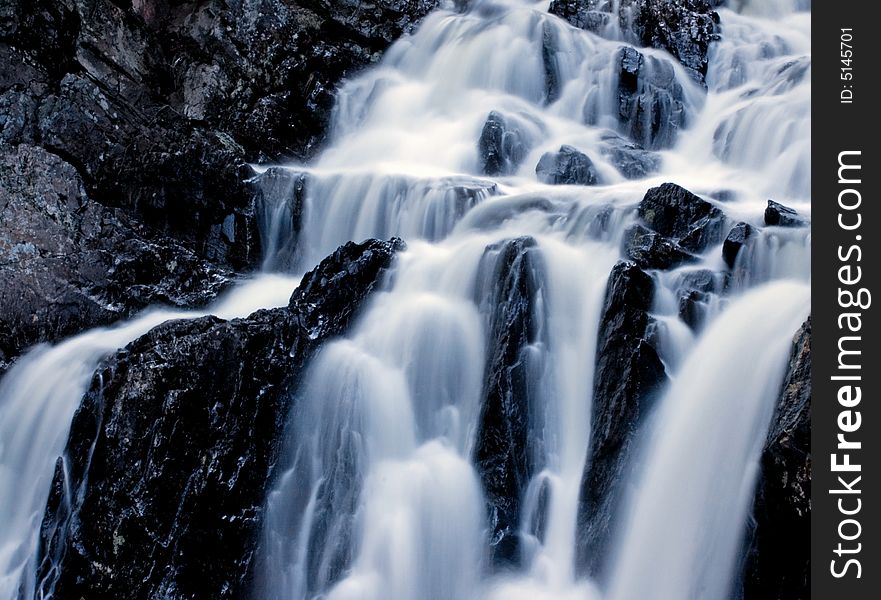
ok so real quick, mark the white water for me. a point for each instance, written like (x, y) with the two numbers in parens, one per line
(402, 502)
(377, 497)
(38, 398)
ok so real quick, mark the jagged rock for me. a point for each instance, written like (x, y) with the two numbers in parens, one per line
(628, 374)
(778, 559)
(676, 213)
(504, 454)
(651, 106)
(549, 60)
(502, 145)
(280, 190)
(694, 290)
(566, 167)
(168, 458)
(777, 214)
(162, 104)
(67, 263)
(651, 250)
(684, 28)
(736, 239)
(631, 160)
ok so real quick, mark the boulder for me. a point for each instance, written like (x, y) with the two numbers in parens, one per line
(779, 553)
(68, 263)
(505, 450)
(650, 250)
(502, 145)
(783, 216)
(679, 215)
(684, 28)
(632, 160)
(695, 289)
(651, 103)
(569, 166)
(737, 238)
(168, 460)
(628, 374)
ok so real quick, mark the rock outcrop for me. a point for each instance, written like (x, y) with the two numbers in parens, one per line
(68, 263)
(568, 166)
(651, 107)
(502, 145)
(778, 559)
(161, 104)
(783, 216)
(628, 374)
(157, 107)
(505, 452)
(739, 236)
(684, 28)
(160, 492)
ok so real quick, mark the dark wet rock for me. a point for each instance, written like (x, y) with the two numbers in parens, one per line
(569, 166)
(651, 106)
(549, 60)
(695, 289)
(777, 214)
(737, 238)
(650, 250)
(168, 457)
(162, 104)
(279, 202)
(684, 28)
(68, 263)
(778, 558)
(502, 145)
(631, 160)
(679, 215)
(505, 451)
(628, 375)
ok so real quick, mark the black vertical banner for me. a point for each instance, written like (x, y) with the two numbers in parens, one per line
(846, 436)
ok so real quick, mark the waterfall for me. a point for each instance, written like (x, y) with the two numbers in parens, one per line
(437, 451)
(382, 442)
(38, 398)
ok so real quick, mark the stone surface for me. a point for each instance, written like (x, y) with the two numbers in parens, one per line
(737, 238)
(651, 108)
(627, 376)
(650, 250)
(568, 166)
(67, 263)
(631, 160)
(502, 145)
(783, 216)
(679, 215)
(778, 558)
(168, 457)
(161, 104)
(504, 454)
(684, 28)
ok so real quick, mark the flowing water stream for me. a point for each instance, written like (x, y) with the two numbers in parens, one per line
(377, 496)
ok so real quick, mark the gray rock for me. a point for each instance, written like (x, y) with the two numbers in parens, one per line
(778, 561)
(569, 166)
(68, 263)
(164, 483)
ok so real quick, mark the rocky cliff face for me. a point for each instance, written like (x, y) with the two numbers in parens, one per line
(157, 107)
(160, 491)
(778, 559)
(68, 263)
(504, 454)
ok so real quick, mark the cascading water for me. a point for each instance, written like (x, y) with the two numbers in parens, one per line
(38, 398)
(379, 493)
